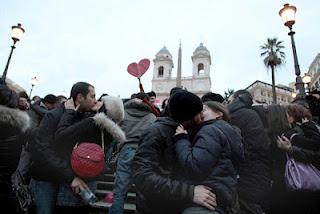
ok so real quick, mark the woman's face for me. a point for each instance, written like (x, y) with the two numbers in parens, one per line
(290, 119)
(208, 114)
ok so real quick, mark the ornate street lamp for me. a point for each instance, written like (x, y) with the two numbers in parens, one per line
(288, 15)
(16, 34)
(34, 82)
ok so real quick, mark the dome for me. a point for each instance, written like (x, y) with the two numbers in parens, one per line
(201, 48)
(164, 51)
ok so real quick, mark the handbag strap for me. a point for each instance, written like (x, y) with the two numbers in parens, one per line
(102, 140)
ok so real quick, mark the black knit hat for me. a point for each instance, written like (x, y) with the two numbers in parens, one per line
(152, 94)
(212, 97)
(184, 105)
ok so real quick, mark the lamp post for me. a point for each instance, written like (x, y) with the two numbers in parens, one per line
(34, 82)
(306, 79)
(16, 34)
(288, 13)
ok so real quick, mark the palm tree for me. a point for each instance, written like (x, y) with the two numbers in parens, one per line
(274, 57)
(228, 93)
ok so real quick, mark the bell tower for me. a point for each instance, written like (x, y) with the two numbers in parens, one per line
(163, 65)
(201, 60)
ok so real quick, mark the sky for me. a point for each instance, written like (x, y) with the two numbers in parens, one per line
(67, 41)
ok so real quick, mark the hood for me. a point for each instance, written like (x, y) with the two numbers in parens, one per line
(104, 122)
(15, 118)
(167, 121)
(137, 108)
(114, 106)
(243, 101)
(40, 108)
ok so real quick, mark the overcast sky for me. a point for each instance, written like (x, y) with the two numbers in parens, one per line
(94, 40)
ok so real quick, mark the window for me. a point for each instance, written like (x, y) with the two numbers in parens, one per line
(160, 71)
(200, 68)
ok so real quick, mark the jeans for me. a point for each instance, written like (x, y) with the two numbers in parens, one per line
(44, 194)
(108, 154)
(47, 195)
(67, 198)
(122, 179)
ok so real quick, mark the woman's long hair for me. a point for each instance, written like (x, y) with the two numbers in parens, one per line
(277, 120)
(298, 112)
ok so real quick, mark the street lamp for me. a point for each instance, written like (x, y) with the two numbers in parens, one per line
(34, 82)
(16, 34)
(306, 79)
(288, 15)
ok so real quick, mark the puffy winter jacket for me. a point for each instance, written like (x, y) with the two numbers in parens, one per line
(157, 175)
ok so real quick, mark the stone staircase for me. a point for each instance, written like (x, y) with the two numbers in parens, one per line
(105, 186)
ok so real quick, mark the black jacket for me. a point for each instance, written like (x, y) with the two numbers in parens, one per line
(255, 173)
(47, 163)
(75, 127)
(157, 174)
(36, 113)
(306, 144)
(207, 159)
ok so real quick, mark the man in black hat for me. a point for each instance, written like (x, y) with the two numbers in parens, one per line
(152, 99)
(158, 178)
(41, 107)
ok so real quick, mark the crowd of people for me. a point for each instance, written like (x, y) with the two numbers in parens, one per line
(191, 155)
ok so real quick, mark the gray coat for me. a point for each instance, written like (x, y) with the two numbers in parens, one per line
(137, 118)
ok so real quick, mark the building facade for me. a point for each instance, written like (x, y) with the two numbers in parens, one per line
(314, 72)
(163, 80)
(262, 93)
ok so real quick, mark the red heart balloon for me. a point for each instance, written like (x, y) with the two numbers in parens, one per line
(133, 69)
(138, 70)
(144, 65)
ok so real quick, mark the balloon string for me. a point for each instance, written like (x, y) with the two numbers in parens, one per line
(140, 85)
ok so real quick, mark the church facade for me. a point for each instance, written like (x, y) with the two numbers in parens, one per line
(163, 81)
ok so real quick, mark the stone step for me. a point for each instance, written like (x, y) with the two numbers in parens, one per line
(108, 185)
(101, 207)
(108, 177)
(131, 196)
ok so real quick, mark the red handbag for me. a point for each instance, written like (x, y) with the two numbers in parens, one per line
(87, 159)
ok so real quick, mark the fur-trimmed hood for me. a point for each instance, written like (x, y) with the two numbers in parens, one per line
(114, 106)
(15, 118)
(104, 122)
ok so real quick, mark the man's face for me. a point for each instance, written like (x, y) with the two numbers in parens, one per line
(51, 106)
(196, 120)
(23, 103)
(87, 102)
(152, 99)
